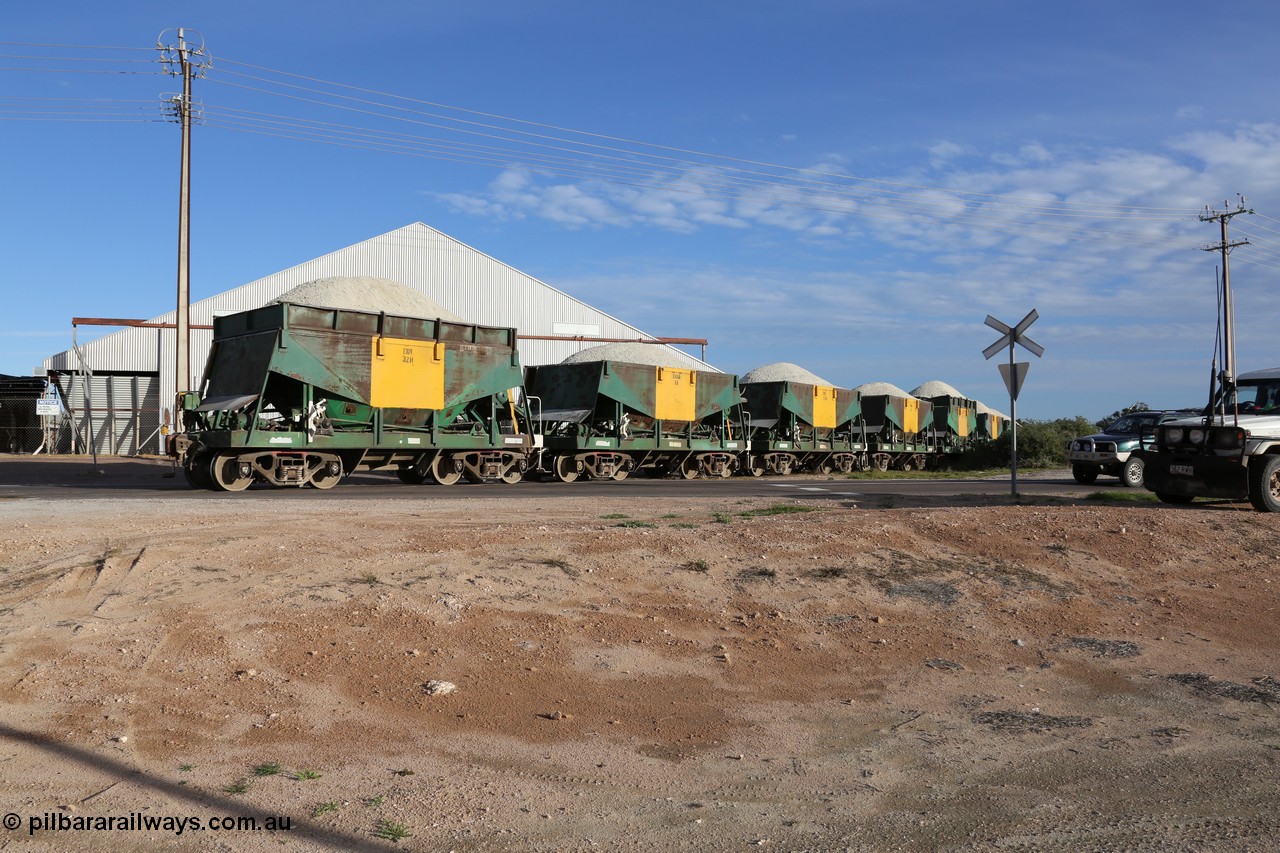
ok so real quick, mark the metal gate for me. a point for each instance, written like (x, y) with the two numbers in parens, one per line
(120, 416)
(21, 427)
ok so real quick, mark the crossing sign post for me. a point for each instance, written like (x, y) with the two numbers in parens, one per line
(1014, 374)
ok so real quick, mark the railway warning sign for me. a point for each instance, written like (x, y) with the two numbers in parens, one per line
(1014, 373)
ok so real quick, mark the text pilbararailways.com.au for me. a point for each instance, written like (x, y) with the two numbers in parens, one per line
(141, 822)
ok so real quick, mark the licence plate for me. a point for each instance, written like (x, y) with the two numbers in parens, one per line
(1182, 470)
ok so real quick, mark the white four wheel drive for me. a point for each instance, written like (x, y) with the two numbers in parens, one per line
(1232, 452)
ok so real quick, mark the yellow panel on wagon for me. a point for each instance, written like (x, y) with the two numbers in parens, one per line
(911, 416)
(824, 406)
(406, 374)
(676, 399)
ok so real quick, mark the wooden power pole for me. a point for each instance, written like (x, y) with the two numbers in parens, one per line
(186, 61)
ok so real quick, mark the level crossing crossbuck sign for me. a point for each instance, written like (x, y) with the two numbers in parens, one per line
(1014, 373)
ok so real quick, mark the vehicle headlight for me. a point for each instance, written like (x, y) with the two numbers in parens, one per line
(1227, 439)
(1172, 435)
(1196, 436)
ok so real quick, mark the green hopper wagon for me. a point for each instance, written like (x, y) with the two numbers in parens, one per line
(606, 419)
(796, 425)
(897, 430)
(954, 424)
(991, 425)
(295, 395)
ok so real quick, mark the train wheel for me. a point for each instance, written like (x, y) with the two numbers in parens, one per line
(196, 471)
(229, 474)
(824, 467)
(566, 469)
(327, 475)
(880, 461)
(725, 472)
(908, 466)
(689, 468)
(756, 469)
(620, 473)
(443, 471)
(513, 475)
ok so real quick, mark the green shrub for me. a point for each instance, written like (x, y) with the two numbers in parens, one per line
(1041, 444)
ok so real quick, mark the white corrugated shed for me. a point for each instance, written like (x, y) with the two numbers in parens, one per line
(468, 282)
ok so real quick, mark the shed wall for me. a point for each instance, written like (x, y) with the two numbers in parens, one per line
(468, 282)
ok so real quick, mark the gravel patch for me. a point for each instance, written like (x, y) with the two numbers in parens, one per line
(1266, 689)
(783, 371)
(658, 355)
(1106, 648)
(937, 388)
(880, 389)
(1029, 722)
(367, 293)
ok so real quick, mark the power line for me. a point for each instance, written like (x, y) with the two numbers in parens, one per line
(17, 108)
(644, 170)
(545, 142)
(57, 100)
(69, 58)
(591, 163)
(75, 46)
(612, 164)
(490, 140)
(541, 125)
(621, 165)
(74, 70)
(702, 188)
(1245, 259)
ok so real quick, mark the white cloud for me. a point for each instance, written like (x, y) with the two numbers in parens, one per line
(886, 282)
(1022, 200)
(941, 153)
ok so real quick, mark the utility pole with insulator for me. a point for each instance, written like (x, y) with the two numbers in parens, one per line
(1227, 379)
(184, 60)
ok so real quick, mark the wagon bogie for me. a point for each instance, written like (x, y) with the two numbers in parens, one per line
(708, 465)
(490, 466)
(779, 464)
(569, 467)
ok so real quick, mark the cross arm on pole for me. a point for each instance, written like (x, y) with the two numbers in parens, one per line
(1025, 322)
(1005, 341)
(1011, 335)
(1032, 347)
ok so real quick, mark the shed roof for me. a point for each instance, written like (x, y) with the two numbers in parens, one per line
(461, 279)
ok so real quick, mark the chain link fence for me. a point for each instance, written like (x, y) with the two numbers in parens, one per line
(22, 428)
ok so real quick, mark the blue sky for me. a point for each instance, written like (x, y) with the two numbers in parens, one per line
(851, 186)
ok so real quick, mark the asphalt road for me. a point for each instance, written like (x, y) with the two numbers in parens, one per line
(150, 479)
